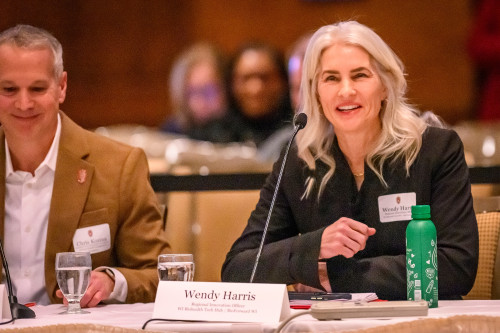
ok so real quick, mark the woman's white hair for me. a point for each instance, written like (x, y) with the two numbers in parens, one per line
(402, 127)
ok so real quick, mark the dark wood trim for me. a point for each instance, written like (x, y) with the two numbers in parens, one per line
(485, 175)
(214, 182)
(254, 181)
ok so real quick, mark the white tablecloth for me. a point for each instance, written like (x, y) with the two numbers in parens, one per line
(445, 309)
(131, 317)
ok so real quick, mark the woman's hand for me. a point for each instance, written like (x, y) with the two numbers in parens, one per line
(344, 237)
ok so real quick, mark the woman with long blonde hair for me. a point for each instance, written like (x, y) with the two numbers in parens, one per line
(364, 158)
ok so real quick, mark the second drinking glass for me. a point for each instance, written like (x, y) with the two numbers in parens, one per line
(175, 267)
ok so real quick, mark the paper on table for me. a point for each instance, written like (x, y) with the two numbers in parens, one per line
(364, 297)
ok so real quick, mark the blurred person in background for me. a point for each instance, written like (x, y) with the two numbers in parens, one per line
(270, 149)
(198, 93)
(259, 100)
(484, 49)
(295, 60)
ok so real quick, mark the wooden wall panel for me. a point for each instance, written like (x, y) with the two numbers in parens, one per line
(118, 52)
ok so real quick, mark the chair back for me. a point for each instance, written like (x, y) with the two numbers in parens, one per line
(487, 284)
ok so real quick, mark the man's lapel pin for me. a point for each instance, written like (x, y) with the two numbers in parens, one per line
(82, 176)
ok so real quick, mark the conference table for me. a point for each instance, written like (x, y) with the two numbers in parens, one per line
(468, 315)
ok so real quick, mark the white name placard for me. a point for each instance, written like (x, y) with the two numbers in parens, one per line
(221, 301)
(4, 303)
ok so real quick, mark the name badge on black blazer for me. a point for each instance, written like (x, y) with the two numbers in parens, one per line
(396, 207)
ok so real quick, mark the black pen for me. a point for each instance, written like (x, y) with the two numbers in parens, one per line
(318, 296)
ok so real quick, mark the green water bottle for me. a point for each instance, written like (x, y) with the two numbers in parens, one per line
(421, 257)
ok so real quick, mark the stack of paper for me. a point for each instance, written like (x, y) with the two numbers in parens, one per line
(363, 297)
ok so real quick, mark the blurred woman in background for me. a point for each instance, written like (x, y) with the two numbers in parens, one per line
(259, 99)
(198, 93)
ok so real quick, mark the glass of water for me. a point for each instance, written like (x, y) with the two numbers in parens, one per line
(73, 277)
(175, 267)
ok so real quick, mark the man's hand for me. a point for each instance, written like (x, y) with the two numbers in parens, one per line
(345, 237)
(100, 287)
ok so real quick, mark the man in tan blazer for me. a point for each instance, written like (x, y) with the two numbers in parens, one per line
(68, 189)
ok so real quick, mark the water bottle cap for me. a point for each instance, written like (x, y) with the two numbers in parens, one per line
(421, 212)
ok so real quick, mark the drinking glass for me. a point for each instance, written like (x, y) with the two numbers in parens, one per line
(73, 277)
(175, 267)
